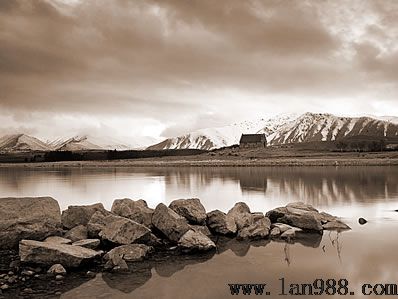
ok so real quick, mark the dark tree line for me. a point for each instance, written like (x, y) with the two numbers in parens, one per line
(361, 146)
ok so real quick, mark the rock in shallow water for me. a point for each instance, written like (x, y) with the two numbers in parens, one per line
(258, 229)
(172, 225)
(47, 253)
(220, 223)
(136, 210)
(195, 241)
(28, 218)
(130, 253)
(241, 215)
(191, 209)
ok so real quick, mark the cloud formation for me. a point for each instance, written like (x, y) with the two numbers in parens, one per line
(172, 64)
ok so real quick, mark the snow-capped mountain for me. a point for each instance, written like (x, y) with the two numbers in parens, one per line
(327, 127)
(212, 138)
(86, 142)
(285, 129)
(21, 142)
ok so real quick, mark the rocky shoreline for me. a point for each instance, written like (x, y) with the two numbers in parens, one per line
(39, 243)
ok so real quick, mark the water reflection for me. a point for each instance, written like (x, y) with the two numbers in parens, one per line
(219, 188)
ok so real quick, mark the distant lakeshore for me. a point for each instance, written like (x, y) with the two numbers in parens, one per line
(225, 160)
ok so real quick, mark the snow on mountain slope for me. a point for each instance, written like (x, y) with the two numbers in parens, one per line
(327, 127)
(86, 142)
(284, 129)
(212, 138)
(21, 142)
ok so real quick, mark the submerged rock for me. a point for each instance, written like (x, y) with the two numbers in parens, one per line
(28, 218)
(335, 225)
(220, 223)
(195, 241)
(79, 215)
(136, 210)
(172, 225)
(48, 253)
(191, 209)
(87, 243)
(77, 233)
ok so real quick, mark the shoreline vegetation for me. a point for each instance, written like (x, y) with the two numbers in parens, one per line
(331, 160)
(42, 245)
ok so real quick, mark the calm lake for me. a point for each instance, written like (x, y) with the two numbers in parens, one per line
(366, 254)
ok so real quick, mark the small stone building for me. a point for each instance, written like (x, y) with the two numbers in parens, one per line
(252, 140)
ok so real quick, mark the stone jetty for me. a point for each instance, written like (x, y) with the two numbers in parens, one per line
(60, 242)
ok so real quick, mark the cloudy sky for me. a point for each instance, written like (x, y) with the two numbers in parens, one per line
(131, 68)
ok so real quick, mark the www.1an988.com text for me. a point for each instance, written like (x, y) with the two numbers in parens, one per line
(319, 287)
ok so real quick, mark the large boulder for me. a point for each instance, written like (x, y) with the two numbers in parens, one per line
(258, 229)
(241, 214)
(299, 215)
(220, 223)
(195, 241)
(191, 209)
(49, 253)
(124, 231)
(116, 229)
(136, 210)
(77, 233)
(28, 218)
(172, 225)
(79, 215)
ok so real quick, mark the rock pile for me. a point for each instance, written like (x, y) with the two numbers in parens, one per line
(132, 230)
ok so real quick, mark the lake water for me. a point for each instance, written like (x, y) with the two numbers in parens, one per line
(366, 254)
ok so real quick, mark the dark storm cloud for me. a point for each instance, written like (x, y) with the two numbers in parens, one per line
(162, 59)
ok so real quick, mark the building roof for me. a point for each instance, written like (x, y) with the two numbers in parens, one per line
(252, 138)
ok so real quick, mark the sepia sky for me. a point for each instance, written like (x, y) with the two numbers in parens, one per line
(160, 68)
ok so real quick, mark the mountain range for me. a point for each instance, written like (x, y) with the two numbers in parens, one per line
(284, 129)
(281, 129)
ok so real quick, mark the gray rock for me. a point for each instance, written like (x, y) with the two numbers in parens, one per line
(88, 243)
(77, 233)
(79, 215)
(192, 209)
(57, 269)
(28, 218)
(201, 228)
(241, 215)
(172, 225)
(129, 253)
(305, 221)
(335, 225)
(281, 226)
(136, 210)
(195, 241)
(275, 232)
(259, 229)
(57, 240)
(290, 233)
(124, 231)
(220, 223)
(98, 222)
(48, 253)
